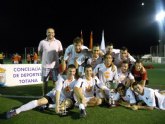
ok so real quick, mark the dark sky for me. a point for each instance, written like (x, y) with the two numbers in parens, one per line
(125, 22)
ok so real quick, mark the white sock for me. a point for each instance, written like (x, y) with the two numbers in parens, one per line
(52, 106)
(81, 106)
(27, 106)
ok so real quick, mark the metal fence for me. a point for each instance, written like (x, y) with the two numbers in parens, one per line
(158, 50)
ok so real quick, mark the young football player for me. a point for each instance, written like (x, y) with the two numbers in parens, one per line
(62, 92)
(88, 90)
(150, 98)
(140, 73)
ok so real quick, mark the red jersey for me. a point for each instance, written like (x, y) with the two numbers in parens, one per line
(139, 75)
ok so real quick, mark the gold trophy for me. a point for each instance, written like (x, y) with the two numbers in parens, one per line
(65, 104)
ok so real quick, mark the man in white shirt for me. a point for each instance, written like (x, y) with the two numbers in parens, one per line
(124, 55)
(124, 96)
(152, 98)
(125, 76)
(61, 96)
(73, 51)
(107, 71)
(88, 91)
(49, 49)
(110, 49)
(93, 60)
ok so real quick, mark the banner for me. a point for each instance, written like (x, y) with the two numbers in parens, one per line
(20, 74)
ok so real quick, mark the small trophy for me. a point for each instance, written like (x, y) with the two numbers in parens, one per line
(111, 100)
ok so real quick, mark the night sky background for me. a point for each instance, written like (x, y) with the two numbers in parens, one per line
(23, 23)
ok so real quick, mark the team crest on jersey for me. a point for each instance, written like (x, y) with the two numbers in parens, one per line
(88, 89)
(107, 74)
(122, 77)
(67, 89)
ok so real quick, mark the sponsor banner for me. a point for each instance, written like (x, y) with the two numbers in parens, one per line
(20, 74)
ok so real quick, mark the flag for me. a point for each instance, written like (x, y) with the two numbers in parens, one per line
(102, 46)
(91, 40)
(81, 36)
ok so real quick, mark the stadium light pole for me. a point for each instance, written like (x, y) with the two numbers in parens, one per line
(160, 18)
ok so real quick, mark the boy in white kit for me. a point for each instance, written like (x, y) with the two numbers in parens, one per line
(150, 97)
(124, 55)
(125, 76)
(88, 91)
(61, 95)
(124, 96)
(107, 71)
(73, 51)
(93, 60)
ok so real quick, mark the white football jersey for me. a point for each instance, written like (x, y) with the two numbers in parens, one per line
(118, 59)
(161, 100)
(70, 54)
(129, 97)
(64, 86)
(88, 87)
(148, 97)
(106, 74)
(124, 76)
(83, 58)
(152, 97)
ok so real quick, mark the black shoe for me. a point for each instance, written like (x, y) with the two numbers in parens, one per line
(42, 108)
(10, 114)
(83, 113)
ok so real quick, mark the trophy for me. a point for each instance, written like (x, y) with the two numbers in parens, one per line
(65, 104)
(111, 100)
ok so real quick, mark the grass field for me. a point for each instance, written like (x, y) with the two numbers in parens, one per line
(95, 115)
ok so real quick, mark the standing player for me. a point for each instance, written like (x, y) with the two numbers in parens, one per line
(2, 56)
(62, 92)
(28, 58)
(50, 49)
(35, 57)
(16, 58)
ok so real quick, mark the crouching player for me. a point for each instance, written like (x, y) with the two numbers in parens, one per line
(62, 95)
(88, 91)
